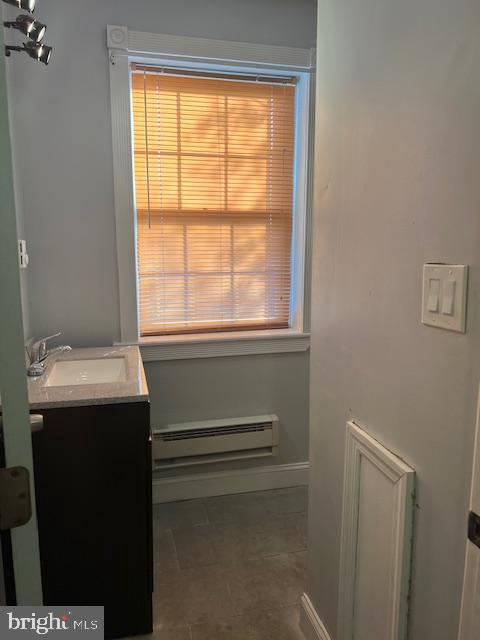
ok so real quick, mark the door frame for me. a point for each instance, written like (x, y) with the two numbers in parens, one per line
(469, 626)
(13, 380)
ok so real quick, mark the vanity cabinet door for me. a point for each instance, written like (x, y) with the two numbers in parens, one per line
(93, 475)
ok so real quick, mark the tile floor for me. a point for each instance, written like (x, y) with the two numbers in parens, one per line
(230, 567)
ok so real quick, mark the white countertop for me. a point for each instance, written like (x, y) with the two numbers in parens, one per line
(133, 389)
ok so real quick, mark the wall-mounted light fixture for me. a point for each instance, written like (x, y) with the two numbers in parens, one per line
(26, 5)
(35, 50)
(32, 28)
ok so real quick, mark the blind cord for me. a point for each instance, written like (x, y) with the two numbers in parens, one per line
(146, 149)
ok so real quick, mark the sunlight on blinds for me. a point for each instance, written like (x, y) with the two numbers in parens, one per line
(213, 163)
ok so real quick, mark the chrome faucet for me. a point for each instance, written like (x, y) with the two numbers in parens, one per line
(38, 353)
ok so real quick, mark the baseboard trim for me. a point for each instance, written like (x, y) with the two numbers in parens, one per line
(310, 623)
(218, 483)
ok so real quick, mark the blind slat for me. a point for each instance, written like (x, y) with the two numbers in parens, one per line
(213, 167)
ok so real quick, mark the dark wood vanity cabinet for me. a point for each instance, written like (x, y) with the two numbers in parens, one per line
(94, 503)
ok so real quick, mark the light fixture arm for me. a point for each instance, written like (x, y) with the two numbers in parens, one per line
(10, 48)
(12, 25)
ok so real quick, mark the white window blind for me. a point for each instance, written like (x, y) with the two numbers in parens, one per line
(213, 160)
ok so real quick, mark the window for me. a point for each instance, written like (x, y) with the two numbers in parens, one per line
(213, 173)
(212, 203)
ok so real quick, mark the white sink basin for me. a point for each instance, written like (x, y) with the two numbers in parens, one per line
(98, 371)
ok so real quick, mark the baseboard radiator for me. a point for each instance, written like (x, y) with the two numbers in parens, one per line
(192, 443)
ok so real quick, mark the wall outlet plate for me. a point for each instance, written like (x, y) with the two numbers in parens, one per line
(444, 300)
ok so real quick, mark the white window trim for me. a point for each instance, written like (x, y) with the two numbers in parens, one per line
(125, 46)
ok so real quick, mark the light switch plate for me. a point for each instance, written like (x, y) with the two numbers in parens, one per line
(22, 254)
(444, 301)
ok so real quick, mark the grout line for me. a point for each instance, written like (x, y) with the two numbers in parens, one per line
(175, 550)
(206, 511)
(227, 580)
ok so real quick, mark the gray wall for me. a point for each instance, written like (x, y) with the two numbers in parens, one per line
(21, 231)
(237, 386)
(5, 14)
(398, 151)
(62, 137)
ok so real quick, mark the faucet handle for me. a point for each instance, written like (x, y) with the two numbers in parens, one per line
(39, 348)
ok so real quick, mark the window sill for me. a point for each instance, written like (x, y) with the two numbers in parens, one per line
(217, 345)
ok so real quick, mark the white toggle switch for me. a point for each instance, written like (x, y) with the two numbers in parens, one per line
(433, 295)
(448, 302)
(445, 296)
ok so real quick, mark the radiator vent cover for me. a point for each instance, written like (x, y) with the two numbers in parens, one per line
(209, 441)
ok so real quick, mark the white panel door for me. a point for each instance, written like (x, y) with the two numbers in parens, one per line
(470, 615)
(13, 383)
(376, 541)
(373, 584)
